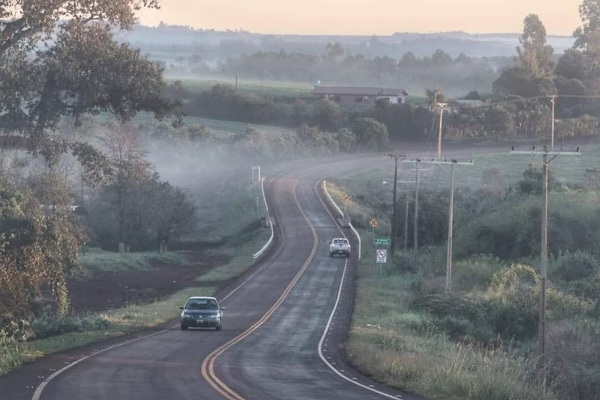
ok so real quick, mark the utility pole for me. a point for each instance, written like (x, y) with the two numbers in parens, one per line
(552, 125)
(393, 224)
(439, 150)
(544, 253)
(416, 216)
(453, 163)
(416, 213)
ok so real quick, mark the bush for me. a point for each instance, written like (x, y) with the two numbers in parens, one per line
(48, 325)
(475, 272)
(574, 266)
(10, 336)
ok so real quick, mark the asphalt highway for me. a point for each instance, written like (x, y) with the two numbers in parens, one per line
(283, 330)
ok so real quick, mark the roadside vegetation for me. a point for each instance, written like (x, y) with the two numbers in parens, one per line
(480, 341)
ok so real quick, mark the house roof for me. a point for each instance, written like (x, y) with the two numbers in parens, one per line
(357, 91)
(393, 92)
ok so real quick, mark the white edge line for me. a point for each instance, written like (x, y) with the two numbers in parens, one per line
(38, 391)
(337, 301)
(320, 348)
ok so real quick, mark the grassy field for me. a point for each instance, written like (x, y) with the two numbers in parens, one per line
(566, 169)
(260, 88)
(97, 260)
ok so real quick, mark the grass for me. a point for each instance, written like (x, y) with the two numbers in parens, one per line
(98, 260)
(402, 348)
(120, 322)
(260, 88)
(569, 169)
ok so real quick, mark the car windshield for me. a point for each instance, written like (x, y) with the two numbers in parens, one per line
(201, 304)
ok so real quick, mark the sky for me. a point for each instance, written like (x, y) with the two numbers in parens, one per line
(366, 17)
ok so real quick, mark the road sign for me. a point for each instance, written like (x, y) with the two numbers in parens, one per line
(381, 256)
(373, 222)
(382, 241)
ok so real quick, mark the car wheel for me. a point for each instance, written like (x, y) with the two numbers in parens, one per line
(218, 328)
(184, 327)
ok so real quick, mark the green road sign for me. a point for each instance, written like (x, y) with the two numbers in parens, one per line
(382, 241)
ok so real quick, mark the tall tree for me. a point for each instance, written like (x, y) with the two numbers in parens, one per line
(587, 40)
(531, 73)
(534, 54)
(131, 171)
(50, 68)
(588, 33)
(171, 211)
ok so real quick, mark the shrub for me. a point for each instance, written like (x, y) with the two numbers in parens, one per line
(10, 336)
(48, 325)
(574, 266)
(475, 272)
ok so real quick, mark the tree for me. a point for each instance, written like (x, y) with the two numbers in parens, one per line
(50, 68)
(535, 55)
(587, 35)
(131, 170)
(588, 41)
(330, 115)
(370, 134)
(335, 50)
(171, 212)
(497, 120)
(37, 247)
(533, 181)
(531, 73)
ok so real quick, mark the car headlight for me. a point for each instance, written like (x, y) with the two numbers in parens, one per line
(214, 316)
(185, 315)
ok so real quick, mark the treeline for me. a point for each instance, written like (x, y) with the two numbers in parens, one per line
(338, 66)
(496, 117)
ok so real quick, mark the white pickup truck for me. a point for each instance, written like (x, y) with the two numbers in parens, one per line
(339, 246)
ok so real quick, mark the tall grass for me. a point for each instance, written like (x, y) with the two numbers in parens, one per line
(404, 348)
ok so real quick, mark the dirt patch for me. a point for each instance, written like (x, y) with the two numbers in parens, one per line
(108, 290)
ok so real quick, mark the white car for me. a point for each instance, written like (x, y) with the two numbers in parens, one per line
(339, 246)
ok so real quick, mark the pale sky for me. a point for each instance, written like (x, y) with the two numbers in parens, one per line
(367, 17)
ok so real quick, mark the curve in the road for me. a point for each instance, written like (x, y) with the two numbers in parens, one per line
(208, 371)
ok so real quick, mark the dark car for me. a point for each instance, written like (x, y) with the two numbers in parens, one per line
(201, 312)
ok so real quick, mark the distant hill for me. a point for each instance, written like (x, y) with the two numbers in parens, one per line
(167, 40)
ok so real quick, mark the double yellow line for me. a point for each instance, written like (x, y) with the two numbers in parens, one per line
(208, 365)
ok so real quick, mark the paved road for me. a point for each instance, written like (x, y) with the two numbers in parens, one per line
(281, 337)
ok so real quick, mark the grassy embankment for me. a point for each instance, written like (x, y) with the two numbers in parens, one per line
(395, 343)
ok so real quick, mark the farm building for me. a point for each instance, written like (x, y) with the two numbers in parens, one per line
(358, 95)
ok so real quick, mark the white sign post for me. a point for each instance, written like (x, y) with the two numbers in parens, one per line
(381, 256)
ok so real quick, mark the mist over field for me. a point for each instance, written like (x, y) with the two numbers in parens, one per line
(460, 62)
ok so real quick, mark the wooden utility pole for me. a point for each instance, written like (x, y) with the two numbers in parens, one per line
(394, 214)
(544, 254)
